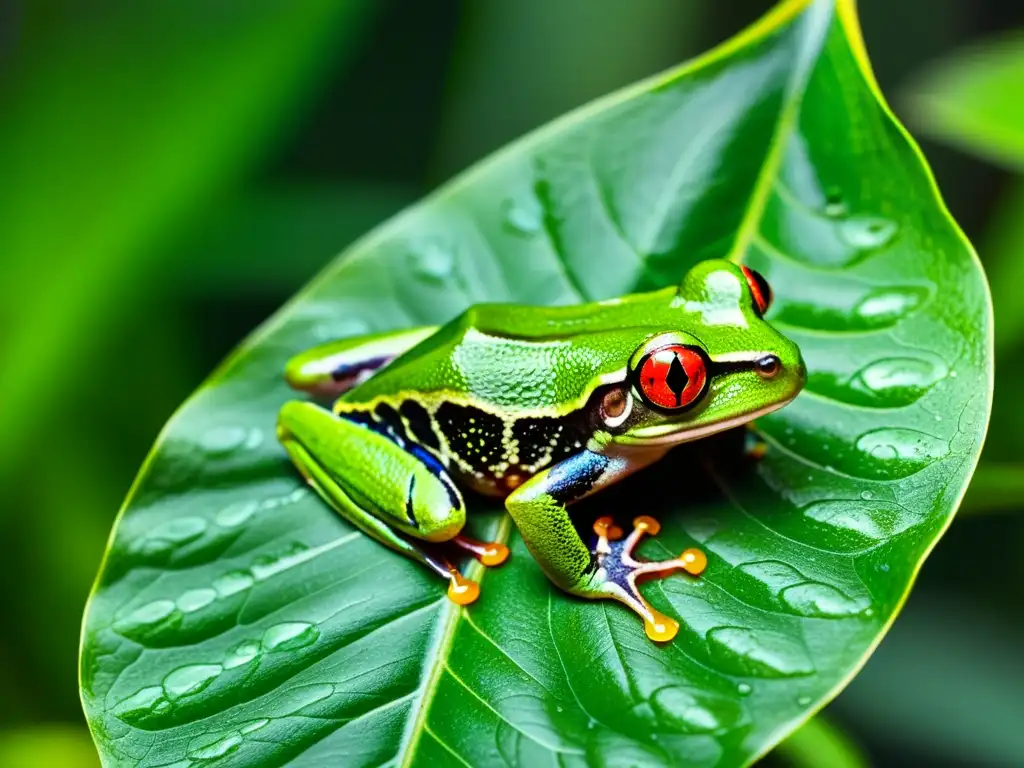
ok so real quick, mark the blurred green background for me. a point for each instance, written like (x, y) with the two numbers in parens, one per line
(172, 171)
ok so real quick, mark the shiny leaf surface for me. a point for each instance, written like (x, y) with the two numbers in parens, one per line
(238, 622)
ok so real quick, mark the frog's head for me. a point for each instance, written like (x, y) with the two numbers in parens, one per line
(720, 365)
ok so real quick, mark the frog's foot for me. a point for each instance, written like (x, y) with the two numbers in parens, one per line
(489, 553)
(619, 571)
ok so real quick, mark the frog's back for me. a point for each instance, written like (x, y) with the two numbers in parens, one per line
(515, 357)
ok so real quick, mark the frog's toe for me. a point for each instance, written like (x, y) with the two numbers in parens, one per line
(462, 591)
(489, 553)
(622, 572)
(606, 529)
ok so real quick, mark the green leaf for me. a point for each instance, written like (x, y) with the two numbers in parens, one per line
(970, 100)
(236, 617)
(819, 744)
(270, 239)
(995, 488)
(118, 126)
(38, 746)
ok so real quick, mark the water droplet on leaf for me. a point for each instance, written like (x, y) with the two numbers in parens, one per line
(761, 653)
(232, 583)
(290, 636)
(867, 232)
(433, 263)
(893, 452)
(190, 680)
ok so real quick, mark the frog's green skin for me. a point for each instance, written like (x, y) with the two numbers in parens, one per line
(541, 405)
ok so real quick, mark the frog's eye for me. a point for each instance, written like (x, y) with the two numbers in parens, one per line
(760, 289)
(672, 377)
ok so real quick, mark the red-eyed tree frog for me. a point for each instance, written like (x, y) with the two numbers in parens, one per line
(541, 406)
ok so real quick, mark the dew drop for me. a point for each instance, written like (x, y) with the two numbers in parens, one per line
(216, 749)
(235, 514)
(149, 619)
(835, 206)
(819, 601)
(220, 440)
(762, 653)
(242, 654)
(433, 263)
(559, 708)
(867, 495)
(232, 583)
(803, 701)
(896, 381)
(869, 519)
(151, 613)
(266, 566)
(867, 232)
(744, 689)
(521, 219)
(884, 306)
(255, 725)
(179, 531)
(688, 710)
(136, 707)
(196, 599)
(190, 680)
(893, 452)
(295, 700)
(290, 636)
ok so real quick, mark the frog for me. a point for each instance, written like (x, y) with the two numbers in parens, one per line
(542, 407)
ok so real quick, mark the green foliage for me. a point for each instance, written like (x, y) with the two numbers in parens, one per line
(176, 99)
(43, 746)
(969, 100)
(818, 744)
(236, 619)
(966, 99)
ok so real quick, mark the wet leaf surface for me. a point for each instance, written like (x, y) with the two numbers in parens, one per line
(238, 622)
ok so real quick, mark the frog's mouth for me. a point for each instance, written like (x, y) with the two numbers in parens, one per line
(674, 434)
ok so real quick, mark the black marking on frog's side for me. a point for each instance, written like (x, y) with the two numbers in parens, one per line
(549, 437)
(391, 423)
(474, 435)
(419, 422)
(409, 511)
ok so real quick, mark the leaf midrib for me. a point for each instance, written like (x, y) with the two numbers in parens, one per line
(438, 657)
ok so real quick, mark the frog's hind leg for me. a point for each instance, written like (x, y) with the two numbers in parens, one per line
(399, 495)
(330, 369)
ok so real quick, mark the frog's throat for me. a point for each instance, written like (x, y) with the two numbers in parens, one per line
(668, 435)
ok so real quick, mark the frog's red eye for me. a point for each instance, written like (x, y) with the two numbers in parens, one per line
(672, 377)
(759, 288)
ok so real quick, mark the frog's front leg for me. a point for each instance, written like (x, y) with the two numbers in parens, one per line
(610, 570)
(329, 369)
(391, 489)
